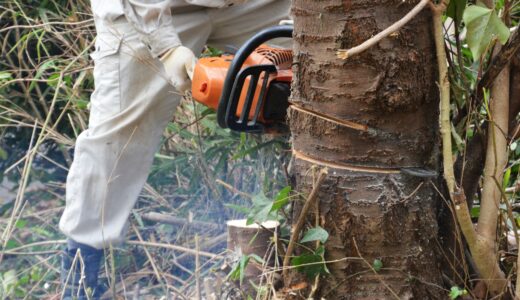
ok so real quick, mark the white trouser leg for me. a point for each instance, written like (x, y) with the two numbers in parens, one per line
(130, 107)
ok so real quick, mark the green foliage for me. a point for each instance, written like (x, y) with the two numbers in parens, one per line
(455, 10)
(265, 209)
(195, 151)
(315, 234)
(211, 52)
(456, 292)
(483, 26)
(311, 264)
(238, 271)
(377, 265)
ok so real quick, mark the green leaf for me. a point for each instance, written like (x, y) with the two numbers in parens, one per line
(24, 280)
(309, 264)
(239, 271)
(377, 265)
(20, 224)
(281, 199)
(11, 244)
(257, 258)
(81, 104)
(456, 10)
(507, 176)
(483, 25)
(261, 209)
(475, 211)
(315, 234)
(8, 281)
(3, 154)
(4, 76)
(35, 274)
(456, 292)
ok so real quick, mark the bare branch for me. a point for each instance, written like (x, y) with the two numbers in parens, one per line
(347, 53)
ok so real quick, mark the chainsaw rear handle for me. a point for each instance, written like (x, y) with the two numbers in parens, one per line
(242, 54)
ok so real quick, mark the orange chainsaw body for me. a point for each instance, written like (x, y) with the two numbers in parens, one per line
(210, 73)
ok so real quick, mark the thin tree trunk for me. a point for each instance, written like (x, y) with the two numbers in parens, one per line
(365, 118)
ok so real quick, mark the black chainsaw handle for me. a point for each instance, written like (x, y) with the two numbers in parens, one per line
(239, 59)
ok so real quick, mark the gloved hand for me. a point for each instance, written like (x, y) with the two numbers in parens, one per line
(179, 64)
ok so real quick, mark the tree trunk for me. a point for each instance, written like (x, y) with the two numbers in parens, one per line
(365, 118)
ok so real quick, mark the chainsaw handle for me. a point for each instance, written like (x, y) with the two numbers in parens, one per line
(239, 59)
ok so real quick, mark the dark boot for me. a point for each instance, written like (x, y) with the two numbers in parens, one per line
(79, 277)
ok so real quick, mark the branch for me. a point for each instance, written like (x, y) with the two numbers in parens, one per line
(347, 53)
(444, 86)
(163, 218)
(301, 220)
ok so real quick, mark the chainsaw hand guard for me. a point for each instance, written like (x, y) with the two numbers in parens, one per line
(238, 118)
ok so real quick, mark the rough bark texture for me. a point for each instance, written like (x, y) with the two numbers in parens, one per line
(365, 200)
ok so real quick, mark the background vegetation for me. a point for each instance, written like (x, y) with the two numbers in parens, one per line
(45, 84)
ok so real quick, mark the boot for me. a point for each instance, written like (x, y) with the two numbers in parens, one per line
(79, 277)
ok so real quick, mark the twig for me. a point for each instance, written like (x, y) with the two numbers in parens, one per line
(233, 189)
(151, 260)
(301, 220)
(163, 218)
(174, 247)
(207, 245)
(444, 87)
(89, 22)
(197, 268)
(374, 271)
(347, 53)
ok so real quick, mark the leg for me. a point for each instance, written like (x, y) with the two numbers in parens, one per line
(130, 107)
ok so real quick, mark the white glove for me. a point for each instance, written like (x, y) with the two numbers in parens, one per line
(179, 63)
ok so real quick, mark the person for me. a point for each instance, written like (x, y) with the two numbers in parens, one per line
(143, 59)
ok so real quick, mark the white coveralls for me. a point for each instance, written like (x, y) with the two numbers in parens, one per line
(133, 100)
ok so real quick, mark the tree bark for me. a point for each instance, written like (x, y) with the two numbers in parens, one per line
(365, 118)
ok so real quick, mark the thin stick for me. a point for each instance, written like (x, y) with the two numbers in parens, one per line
(163, 218)
(137, 243)
(347, 53)
(233, 189)
(160, 279)
(177, 248)
(444, 86)
(374, 271)
(301, 220)
(197, 268)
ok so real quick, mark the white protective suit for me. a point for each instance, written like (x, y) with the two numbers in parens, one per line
(133, 100)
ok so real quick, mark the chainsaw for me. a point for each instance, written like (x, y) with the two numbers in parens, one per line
(249, 90)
